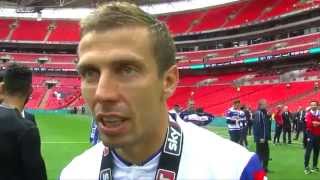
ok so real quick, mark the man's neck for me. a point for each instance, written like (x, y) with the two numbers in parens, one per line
(138, 153)
(14, 102)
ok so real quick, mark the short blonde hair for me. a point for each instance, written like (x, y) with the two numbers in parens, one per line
(117, 14)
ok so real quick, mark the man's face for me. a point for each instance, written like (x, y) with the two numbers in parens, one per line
(279, 108)
(263, 104)
(121, 85)
(313, 106)
(236, 105)
(191, 106)
(177, 108)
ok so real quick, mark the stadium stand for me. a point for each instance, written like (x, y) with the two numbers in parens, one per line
(207, 23)
(62, 96)
(180, 23)
(216, 99)
(5, 28)
(30, 30)
(216, 95)
(67, 31)
(295, 43)
(230, 15)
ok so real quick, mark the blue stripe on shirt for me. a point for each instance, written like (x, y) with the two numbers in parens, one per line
(253, 169)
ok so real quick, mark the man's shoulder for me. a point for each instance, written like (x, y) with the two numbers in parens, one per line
(218, 158)
(84, 165)
(11, 118)
(29, 114)
(203, 137)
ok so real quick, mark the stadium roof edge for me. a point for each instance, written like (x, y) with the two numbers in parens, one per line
(77, 13)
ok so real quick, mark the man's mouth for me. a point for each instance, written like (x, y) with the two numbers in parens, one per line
(112, 124)
(112, 121)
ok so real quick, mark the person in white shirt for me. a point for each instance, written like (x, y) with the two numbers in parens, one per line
(128, 70)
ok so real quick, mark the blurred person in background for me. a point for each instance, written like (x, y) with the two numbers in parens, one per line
(262, 133)
(279, 124)
(313, 137)
(301, 124)
(287, 120)
(20, 146)
(233, 121)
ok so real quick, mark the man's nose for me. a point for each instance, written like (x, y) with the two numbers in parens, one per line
(107, 88)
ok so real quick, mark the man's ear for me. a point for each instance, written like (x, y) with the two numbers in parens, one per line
(170, 81)
(1, 88)
(1, 91)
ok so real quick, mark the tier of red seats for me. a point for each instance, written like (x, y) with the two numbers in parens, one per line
(36, 96)
(192, 80)
(216, 17)
(69, 87)
(300, 42)
(67, 96)
(30, 30)
(227, 15)
(38, 80)
(250, 12)
(180, 23)
(287, 6)
(66, 61)
(218, 98)
(65, 31)
(5, 28)
(305, 101)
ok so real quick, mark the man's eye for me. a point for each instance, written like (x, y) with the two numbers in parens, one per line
(128, 70)
(91, 75)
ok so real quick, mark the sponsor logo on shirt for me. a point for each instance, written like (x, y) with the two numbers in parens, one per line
(105, 174)
(163, 174)
(173, 142)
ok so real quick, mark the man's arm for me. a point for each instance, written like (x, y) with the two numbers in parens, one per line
(33, 167)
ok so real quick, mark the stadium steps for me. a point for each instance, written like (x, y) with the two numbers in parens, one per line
(44, 100)
(226, 21)
(42, 96)
(263, 14)
(75, 102)
(196, 21)
(236, 14)
(51, 28)
(12, 29)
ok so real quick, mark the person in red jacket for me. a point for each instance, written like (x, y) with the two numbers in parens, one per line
(279, 124)
(313, 137)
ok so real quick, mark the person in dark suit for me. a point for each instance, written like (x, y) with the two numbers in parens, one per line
(287, 119)
(301, 124)
(20, 146)
(262, 133)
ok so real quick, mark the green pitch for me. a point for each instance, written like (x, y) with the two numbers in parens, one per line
(65, 136)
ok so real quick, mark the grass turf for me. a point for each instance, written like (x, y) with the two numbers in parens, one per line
(65, 136)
